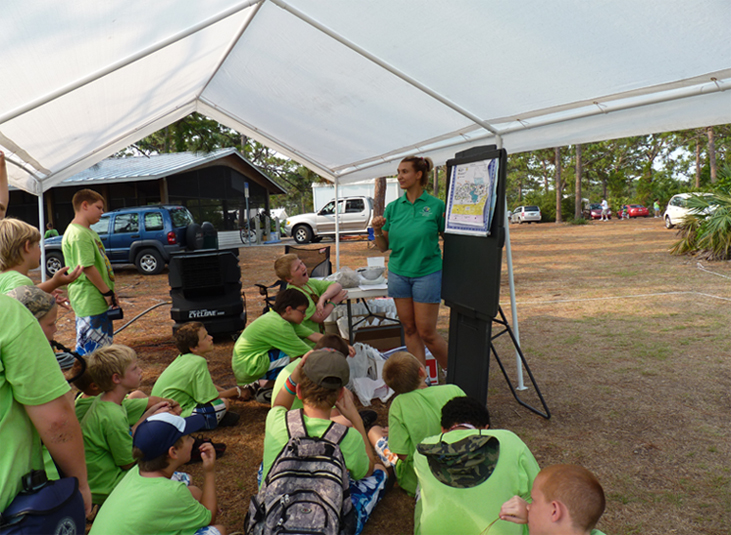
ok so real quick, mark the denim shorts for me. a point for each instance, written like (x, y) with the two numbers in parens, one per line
(426, 289)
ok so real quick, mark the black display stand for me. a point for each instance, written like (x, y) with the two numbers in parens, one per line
(471, 288)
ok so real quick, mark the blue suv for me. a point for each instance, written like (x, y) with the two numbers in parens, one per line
(143, 235)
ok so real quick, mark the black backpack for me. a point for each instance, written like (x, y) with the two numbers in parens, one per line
(307, 489)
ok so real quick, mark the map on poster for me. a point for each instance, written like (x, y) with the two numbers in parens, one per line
(471, 198)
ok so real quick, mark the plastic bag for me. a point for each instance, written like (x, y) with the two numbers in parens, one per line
(365, 375)
(346, 277)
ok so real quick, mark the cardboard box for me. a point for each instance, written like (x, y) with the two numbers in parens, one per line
(382, 338)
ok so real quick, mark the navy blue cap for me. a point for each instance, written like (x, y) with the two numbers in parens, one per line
(156, 435)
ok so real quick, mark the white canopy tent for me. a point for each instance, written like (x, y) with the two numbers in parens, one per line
(348, 88)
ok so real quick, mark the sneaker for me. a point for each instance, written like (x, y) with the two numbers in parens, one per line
(264, 395)
(229, 419)
(195, 453)
(369, 418)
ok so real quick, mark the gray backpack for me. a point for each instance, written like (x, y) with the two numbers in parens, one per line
(307, 489)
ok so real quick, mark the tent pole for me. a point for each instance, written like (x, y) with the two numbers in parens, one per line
(41, 227)
(337, 227)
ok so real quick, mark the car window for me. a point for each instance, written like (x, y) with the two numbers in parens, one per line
(532, 209)
(126, 223)
(101, 226)
(153, 221)
(181, 217)
(328, 209)
(354, 206)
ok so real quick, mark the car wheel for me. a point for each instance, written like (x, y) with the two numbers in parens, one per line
(54, 262)
(149, 262)
(302, 234)
(668, 223)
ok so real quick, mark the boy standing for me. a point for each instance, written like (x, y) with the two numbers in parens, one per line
(319, 380)
(467, 472)
(148, 500)
(92, 293)
(269, 343)
(414, 414)
(188, 381)
(105, 426)
(20, 251)
(566, 500)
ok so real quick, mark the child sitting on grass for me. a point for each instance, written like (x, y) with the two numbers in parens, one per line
(105, 426)
(566, 499)
(151, 499)
(270, 342)
(415, 414)
(188, 381)
(20, 251)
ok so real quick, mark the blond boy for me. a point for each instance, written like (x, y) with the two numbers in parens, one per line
(105, 426)
(20, 251)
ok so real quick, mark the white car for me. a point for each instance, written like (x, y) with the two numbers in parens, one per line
(526, 214)
(677, 209)
(355, 214)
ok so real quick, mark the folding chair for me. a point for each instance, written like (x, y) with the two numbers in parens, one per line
(318, 265)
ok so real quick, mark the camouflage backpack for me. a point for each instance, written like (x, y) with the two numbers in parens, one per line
(307, 489)
(462, 464)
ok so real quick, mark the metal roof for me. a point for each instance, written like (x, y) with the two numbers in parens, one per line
(114, 170)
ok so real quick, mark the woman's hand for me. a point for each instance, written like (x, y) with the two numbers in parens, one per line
(378, 222)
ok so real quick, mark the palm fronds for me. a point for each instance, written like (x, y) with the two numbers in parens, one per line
(706, 233)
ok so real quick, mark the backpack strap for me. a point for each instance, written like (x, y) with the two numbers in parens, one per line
(335, 433)
(296, 424)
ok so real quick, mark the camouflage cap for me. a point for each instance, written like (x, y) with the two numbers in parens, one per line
(328, 369)
(36, 300)
(463, 464)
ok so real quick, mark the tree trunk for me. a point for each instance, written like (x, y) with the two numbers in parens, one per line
(577, 188)
(379, 197)
(698, 162)
(545, 174)
(559, 185)
(712, 154)
(436, 182)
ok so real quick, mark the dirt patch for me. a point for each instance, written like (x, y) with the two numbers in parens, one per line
(628, 344)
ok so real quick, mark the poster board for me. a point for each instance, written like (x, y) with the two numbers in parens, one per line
(471, 197)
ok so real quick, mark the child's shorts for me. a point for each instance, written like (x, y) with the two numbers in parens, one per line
(278, 360)
(207, 530)
(388, 457)
(212, 412)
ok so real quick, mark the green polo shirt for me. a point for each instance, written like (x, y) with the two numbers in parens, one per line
(413, 235)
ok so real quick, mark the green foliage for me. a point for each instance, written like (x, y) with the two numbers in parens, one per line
(577, 221)
(707, 233)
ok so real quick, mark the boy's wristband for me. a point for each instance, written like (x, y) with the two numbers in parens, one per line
(332, 303)
(110, 293)
(291, 386)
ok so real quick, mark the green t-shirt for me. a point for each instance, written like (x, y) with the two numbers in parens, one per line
(108, 446)
(412, 417)
(413, 235)
(135, 408)
(156, 505)
(250, 359)
(279, 384)
(82, 247)
(50, 233)
(187, 381)
(441, 509)
(313, 287)
(29, 375)
(276, 437)
(11, 279)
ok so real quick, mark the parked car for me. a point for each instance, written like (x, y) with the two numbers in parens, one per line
(526, 214)
(143, 235)
(355, 218)
(594, 211)
(637, 210)
(677, 209)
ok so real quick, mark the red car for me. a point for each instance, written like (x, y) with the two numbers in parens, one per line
(637, 210)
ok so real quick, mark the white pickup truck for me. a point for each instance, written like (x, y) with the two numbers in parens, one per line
(355, 214)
